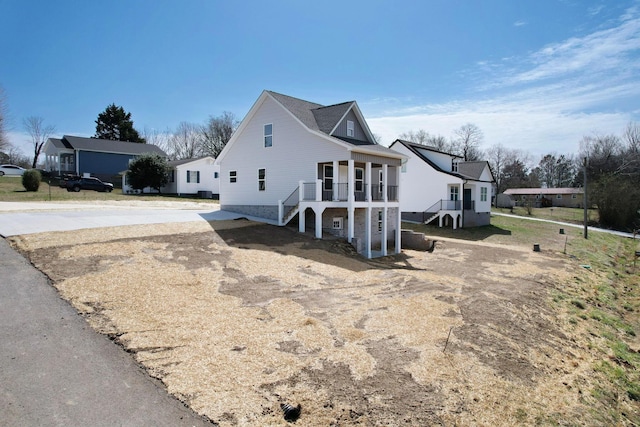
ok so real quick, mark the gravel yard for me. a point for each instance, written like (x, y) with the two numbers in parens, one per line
(237, 317)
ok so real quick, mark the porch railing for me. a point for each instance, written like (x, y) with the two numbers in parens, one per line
(340, 192)
(291, 202)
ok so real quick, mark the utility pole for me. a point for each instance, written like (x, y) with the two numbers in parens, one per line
(584, 198)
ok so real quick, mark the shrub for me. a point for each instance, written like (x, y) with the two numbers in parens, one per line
(31, 180)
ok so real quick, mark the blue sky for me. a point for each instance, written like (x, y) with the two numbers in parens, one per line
(533, 75)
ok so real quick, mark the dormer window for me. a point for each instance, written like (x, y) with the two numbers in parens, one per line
(454, 165)
(268, 135)
(350, 128)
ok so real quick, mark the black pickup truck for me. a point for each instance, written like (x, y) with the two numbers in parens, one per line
(77, 183)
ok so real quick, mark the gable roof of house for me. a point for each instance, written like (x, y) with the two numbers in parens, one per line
(105, 145)
(466, 170)
(316, 116)
(321, 120)
(174, 163)
(540, 191)
(473, 169)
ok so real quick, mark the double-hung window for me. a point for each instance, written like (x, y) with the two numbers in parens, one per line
(268, 135)
(262, 179)
(351, 129)
(328, 178)
(233, 176)
(359, 182)
(454, 193)
(483, 194)
(193, 176)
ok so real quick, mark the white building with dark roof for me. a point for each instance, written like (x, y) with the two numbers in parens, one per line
(441, 186)
(292, 160)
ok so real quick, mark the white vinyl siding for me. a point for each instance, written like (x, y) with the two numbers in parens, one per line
(293, 158)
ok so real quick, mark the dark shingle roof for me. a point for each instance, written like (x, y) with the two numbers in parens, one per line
(328, 117)
(303, 110)
(316, 116)
(108, 146)
(472, 170)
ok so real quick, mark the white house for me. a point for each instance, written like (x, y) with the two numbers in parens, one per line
(193, 176)
(188, 177)
(438, 185)
(294, 160)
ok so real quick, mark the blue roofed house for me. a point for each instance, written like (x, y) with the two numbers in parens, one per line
(294, 160)
(104, 159)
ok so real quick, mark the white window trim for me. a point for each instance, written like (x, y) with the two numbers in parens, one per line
(262, 180)
(325, 177)
(338, 223)
(233, 176)
(265, 135)
(351, 127)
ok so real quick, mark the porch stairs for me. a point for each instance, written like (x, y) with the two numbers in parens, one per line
(430, 216)
(432, 212)
(291, 206)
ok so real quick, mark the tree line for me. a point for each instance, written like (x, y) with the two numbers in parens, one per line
(188, 140)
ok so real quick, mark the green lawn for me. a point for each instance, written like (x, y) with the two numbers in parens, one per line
(573, 215)
(11, 190)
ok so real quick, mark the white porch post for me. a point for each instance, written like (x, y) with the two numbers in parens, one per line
(398, 184)
(318, 213)
(280, 212)
(318, 190)
(367, 172)
(385, 181)
(350, 199)
(302, 226)
(383, 243)
(367, 226)
(336, 179)
(398, 231)
(300, 191)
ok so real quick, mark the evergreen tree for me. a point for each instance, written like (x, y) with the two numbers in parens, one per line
(115, 124)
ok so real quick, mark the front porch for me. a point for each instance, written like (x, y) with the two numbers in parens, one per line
(365, 208)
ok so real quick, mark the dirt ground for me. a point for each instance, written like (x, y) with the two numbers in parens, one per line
(236, 317)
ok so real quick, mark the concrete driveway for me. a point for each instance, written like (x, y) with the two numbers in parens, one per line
(54, 369)
(36, 217)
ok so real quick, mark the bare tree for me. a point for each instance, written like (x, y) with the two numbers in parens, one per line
(39, 133)
(631, 136)
(498, 156)
(185, 142)
(419, 137)
(467, 142)
(4, 141)
(217, 132)
(157, 138)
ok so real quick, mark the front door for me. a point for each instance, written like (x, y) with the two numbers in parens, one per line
(466, 198)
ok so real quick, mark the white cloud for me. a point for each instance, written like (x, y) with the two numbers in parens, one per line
(519, 23)
(545, 102)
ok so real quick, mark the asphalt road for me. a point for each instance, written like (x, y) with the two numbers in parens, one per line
(54, 369)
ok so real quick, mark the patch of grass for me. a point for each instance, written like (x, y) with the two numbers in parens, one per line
(577, 303)
(571, 215)
(11, 190)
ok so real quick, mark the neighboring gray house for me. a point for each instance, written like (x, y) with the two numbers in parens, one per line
(294, 160)
(102, 158)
